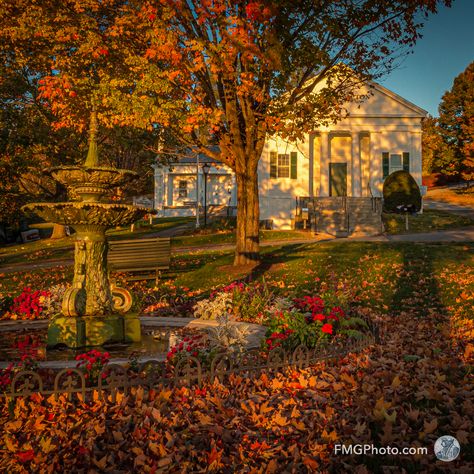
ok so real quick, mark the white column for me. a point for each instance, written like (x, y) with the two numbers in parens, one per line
(170, 189)
(164, 197)
(316, 165)
(365, 163)
(356, 169)
(200, 191)
(376, 172)
(324, 166)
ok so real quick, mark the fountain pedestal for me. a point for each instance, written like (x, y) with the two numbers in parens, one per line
(88, 306)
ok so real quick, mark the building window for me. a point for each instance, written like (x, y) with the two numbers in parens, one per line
(183, 189)
(283, 165)
(392, 162)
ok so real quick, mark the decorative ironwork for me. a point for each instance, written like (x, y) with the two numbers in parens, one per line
(66, 381)
(189, 371)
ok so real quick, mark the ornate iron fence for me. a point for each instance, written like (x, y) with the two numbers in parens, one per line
(189, 371)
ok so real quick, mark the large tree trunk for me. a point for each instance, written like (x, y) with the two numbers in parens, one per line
(59, 231)
(248, 217)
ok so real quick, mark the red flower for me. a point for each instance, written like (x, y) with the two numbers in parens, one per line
(319, 317)
(327, 328)
(336, 313)
(314, 304)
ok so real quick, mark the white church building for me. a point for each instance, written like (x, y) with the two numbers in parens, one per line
(333, 179)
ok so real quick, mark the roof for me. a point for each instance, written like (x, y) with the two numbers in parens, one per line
(189, 156)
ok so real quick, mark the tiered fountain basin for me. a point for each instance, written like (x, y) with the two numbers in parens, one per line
(85, 213)
(94, 310)
(90, 183)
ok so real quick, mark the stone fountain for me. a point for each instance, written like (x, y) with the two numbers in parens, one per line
(94, 311)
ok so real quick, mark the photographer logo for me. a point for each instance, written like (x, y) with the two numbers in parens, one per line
(447, 448)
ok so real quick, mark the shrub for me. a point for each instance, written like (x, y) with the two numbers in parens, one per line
(309, 321)
(247, 302)
(228, 337)
(400, 189)
(218, 305)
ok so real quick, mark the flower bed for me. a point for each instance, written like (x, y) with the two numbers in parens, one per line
(314, 321)
(304, 320)
(32, 304)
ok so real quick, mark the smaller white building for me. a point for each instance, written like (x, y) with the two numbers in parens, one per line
(191, 181)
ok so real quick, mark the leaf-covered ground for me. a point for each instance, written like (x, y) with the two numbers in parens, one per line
(407, 392)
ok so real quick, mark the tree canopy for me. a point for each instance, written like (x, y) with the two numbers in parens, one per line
(222, 72)
(437, 156)
(456, 121)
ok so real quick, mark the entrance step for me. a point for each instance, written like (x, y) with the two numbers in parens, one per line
(342, 217)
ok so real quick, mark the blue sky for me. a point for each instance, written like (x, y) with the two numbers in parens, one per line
(445, 50)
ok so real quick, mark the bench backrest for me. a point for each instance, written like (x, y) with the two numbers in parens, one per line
(139, 254)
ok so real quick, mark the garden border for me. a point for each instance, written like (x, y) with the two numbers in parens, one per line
(114, 378)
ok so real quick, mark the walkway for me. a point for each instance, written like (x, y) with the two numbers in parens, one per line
(466, 211)
(457, 235)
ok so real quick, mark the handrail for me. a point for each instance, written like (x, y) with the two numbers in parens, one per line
(369, 189)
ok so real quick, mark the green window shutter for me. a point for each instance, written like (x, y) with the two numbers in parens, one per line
(406, 161)
(273, 164)
(385, 164)
(294, 165)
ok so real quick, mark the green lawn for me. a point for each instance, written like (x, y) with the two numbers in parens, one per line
(159, 224)
(228, 237)
(429, 221)
(383, 277)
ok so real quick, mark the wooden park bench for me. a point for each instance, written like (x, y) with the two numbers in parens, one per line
(145, 256)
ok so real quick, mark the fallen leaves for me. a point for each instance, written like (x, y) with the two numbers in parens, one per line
(406, 392)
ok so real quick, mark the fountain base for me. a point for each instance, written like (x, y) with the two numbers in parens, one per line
(88, 331)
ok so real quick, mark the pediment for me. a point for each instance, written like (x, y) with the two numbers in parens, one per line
(382, 102)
